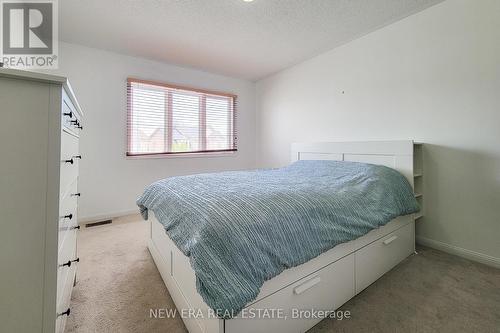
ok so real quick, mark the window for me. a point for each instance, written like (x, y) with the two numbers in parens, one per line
(168, 119)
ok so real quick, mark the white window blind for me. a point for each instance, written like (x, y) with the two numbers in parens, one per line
(169, 119)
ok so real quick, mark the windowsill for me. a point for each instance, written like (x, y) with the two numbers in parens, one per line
(183, 155)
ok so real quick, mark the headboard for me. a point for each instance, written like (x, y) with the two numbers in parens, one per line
(394, 154)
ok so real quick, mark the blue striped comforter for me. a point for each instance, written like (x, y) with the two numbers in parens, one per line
(242, 228)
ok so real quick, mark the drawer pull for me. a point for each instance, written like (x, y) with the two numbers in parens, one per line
(69, 216)
(66, 264)
(69, 161)
(70, 262)
(77, 227)
(78, 157)
(307, 285)
(65, 313)
(390, 240)
(76, 195)
(77, 124)
(69, 114)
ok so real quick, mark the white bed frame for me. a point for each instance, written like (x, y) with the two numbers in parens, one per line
(323, 283)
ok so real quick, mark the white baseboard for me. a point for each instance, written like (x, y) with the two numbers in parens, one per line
(107, 216)
(458, 251)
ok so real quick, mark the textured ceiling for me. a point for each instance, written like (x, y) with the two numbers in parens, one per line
(248, 40)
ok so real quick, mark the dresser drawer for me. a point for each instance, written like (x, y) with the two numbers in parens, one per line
(70, 159)
(68, 247)
(375, 259)
(63, 234)
(66, 253)
(65, 282)
(68, 208)
(70, 118)
(65, 278)
(324, 290)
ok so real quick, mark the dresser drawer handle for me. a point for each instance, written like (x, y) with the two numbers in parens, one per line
(79, 126)
(307, 285)
(75, 122)
(69, 114)
(69, 161)
(76, 195)
(69, 262)
(77, 227)
(66, 264)
(69, 216)
(79, 157)
(390, 240)
(65, 313)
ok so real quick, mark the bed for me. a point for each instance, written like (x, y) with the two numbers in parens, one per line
(286, 302)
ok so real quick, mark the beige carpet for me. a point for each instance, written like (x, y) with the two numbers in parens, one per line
(430, 292)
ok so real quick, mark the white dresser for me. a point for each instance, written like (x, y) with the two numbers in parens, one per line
(40, 123)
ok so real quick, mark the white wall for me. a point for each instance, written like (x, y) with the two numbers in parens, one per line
(433, 77)
(109, 182)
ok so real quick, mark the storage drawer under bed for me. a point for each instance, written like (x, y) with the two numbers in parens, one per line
(324, 290)
(378, 257)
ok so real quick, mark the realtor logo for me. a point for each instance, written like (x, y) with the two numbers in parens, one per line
(29, 33)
